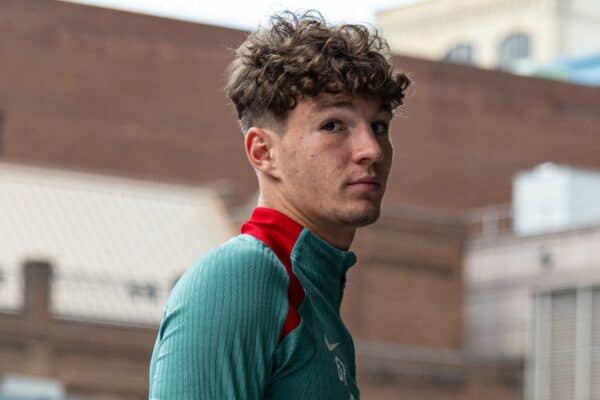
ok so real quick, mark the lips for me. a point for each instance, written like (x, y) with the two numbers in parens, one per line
(368, 179)
(366, 182)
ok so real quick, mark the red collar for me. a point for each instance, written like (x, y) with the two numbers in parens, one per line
(280, 233)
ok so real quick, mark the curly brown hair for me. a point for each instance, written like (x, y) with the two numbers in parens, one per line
(302, 55)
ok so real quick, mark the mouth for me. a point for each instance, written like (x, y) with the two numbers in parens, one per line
(368, 184)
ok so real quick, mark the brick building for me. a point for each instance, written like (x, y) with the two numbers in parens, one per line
(130, 94)
(119, 93)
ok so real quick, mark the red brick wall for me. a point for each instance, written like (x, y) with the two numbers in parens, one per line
(130, 94)
(407, 286)
(465, 132)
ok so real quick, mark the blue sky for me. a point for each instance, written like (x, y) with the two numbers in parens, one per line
(249, 13)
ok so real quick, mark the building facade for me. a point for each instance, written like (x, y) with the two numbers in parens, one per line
(137, 96)
(505, 34)
(536, 299)
(533, 290)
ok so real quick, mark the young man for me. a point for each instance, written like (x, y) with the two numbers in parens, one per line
(259, 316)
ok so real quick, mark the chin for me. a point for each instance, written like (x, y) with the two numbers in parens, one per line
(363, 216)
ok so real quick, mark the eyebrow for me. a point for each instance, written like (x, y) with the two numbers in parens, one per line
(322, 104)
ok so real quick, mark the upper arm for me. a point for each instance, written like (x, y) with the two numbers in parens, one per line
(221, 327)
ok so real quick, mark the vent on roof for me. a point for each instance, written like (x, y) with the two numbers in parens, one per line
(27, 387)
(553, 197)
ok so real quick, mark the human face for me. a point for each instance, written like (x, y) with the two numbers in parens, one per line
(334, 159)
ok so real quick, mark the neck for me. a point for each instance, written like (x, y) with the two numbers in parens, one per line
(340, 238)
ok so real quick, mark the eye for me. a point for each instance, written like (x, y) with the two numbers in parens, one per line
(380, 128)
(333, 126)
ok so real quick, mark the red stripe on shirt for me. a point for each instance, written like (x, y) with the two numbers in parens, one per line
(279, 233)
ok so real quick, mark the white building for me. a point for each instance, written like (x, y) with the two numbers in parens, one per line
(117, 245)
(534, 295)
(493, 33)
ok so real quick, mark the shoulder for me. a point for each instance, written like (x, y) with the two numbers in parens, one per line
(227, 310)
(241, 265)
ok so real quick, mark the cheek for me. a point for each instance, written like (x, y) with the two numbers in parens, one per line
(295, 166)
(315, 165)
(288, 158)
(329, 163)
(289, 166)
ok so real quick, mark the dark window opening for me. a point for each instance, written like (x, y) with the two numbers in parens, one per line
(513, 48)
(462, 53)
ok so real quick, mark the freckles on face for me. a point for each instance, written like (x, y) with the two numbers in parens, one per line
(326, 150)
(306, 174)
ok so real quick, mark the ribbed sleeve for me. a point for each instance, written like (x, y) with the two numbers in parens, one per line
(221, 326)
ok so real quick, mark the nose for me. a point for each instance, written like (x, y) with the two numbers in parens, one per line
(368, 147)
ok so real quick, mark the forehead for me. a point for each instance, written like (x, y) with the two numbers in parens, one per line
(345, 100)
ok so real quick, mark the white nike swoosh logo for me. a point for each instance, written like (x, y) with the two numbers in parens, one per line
(330, 346)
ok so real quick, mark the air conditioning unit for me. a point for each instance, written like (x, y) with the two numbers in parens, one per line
(21, 387)
(552, 197)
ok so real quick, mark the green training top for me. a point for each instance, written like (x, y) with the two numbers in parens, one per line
(258, 318)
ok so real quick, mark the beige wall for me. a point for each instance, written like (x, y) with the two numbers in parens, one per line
(430, 28)
(105, 234)
(503, 274)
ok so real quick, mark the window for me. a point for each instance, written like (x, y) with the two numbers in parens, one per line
(513, 48)
(142, 290)
(462, 53)
(566, 346)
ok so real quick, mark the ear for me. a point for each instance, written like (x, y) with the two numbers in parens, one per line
(259, 144)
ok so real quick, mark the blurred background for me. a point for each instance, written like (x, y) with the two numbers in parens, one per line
(121, 162)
